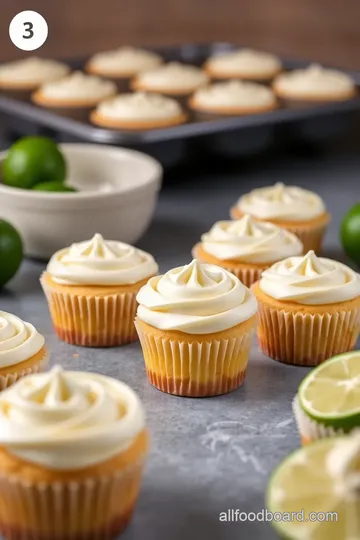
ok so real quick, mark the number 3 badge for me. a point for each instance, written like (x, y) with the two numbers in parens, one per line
(28, 30)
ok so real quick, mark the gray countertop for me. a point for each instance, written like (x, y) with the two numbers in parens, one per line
(214, 454)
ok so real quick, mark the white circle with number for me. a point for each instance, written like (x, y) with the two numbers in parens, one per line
(28, 30)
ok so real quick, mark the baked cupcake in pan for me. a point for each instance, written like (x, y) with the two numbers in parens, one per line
(138, 111)
(298, 210)
(243, 64)
(74, 91)
(122, 63)
(173, 79)
(30, 73)
(314, 83)
(233, 98)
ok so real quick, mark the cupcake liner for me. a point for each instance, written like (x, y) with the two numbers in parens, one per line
(92, 321)
(194, 368)
(10, 378)
(86, 510)
(311, 237)
(306, 339)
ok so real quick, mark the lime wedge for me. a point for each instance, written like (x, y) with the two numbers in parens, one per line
(330, 394)
(315, 493)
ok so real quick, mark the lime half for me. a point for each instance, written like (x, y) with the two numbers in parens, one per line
(314, 493)
(330, 394)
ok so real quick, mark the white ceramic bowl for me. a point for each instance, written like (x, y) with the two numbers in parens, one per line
(117, 198)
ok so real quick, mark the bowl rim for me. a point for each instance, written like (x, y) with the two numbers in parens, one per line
(155, 176)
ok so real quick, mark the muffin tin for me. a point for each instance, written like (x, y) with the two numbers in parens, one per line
(231, 134)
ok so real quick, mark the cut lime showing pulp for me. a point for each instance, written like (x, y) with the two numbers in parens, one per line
(311, 493)
(330, 394)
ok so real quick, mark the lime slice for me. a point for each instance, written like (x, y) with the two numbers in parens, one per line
(315, 493)
(330, 394)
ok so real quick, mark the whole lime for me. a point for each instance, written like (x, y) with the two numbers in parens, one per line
(350, 233)
(54, 186)
(11, 251)
(32, 160)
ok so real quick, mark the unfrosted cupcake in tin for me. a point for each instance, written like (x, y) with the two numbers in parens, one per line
(243, 64)
(195, 325)
(30, 73)
(91, 289)
(123, 63)
(22, 349)
(246, 247)
(173, 79)
(298, 210)
(309, 309)
(72, 451)
(315, 83)
(233, 98)
(138, 111)
(74, 91)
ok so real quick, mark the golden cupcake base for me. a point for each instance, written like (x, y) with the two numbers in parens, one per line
(194, 105)
(36, 364)
(136, 125)
(39, 99)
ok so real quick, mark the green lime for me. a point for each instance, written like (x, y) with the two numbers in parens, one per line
(330, 394)
(54, 186)
(32, 160)
(312, 493)
(11, 251)
(350, 233)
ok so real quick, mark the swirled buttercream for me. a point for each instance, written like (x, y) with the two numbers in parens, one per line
(139, 106)
(244, 62)
(234, 94)
(19, 340)
(78, 86)
(125, 61)
(32, 70)
(101, 262)
(195, 299)
(280, 202)
(68, 419)
(173, 77)
(250, 241)
(310, 280)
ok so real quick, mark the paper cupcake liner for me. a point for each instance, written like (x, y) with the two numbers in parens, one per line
(195, 369)
(93, 321)
(311, 237)
(92, 509)
(10, 378)
(306, 339)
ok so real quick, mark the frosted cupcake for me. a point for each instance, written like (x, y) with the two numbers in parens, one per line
(123, 63)
(246, 247)
(315, 84)
(309, 309)
(29, 73)
(173, 79)
(22, 349)
(298, 210)
(233, 97)
(243, 64)
(138, 111)
(91, 289)
(195, 325)
(75, 90)
(72, 450)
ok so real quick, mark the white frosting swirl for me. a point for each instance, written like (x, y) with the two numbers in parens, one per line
(282, 202)
(32, 70)
(125, 61)
(173, 77)
(79, 86)
(232, 94)
(195, 299)
(314, 81)
(101, 262)
(19, 340)
(250, 241)
(69, 420)
(244, 62)
(310, 280)
(139, 107)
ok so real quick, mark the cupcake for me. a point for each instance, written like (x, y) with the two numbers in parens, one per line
(309, 309)
(75, 90)
(173, 79)
(123, 63)
(315, 84)
(138, 111)
(243, 64)
(91, 289)
(22, 349)
(29, 73)
(72, 450)
(298, 210)
(246, 247)
(195, 325)
(233, 97)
